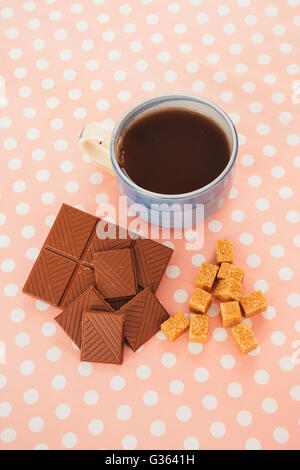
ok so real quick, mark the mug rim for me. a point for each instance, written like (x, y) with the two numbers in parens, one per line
(174, 97)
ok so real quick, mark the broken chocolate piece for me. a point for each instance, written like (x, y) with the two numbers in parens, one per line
(152, 259)
(49, 277)
(144, 315)
(70, 318)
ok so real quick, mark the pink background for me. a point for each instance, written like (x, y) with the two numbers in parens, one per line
(67, 63)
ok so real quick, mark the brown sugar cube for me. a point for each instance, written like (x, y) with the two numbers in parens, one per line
(228, 289)
(244, 337)
(206, 276)
(175, 326)
(229, 270)
(224, 251)
(198, 328)
(200, 301)
(253, 303)
(231, 314)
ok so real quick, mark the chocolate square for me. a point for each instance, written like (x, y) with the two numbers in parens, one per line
(70, 318)
(144, 315)
(83, 278)
(115, 273)
(151, 260)
(106, 237)
(102, 337)
(49, 277)
(70, 232)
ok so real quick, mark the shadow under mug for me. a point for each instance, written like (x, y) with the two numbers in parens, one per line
(175, 210)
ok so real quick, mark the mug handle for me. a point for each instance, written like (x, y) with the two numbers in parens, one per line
(94, 141)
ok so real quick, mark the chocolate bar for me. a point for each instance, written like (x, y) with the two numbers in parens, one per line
(64, 268)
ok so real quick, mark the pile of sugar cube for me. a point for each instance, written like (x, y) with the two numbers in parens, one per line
(233, 305)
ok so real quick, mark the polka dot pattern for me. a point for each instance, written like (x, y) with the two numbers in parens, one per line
(92, 60)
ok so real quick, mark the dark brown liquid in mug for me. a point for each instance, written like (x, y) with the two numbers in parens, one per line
(173, 151)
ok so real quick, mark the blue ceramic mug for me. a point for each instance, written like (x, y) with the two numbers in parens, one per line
(162, 209)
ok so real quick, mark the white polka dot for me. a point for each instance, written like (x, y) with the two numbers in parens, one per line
(195, 348)
(8, 265)
(261, 285)
(234, 390)
(269, 228)
(101, 198)
(269, 405)
(48, 198)
(17, 315)
(293, 216)
(293, 69)
(198, 86)
(31, 396)
(294, 300)
(285, 192)
(201, 375)
(22, 340)
(62, 411)
(150, 398)
(91, 397)
(252, 444)
(72, 187)
(8, 435)
(124, 412)
(191, 443)
(281, 435)
(170, 76)
(173, 271)
(148, 86)
(168, 359)
(278, 338)
(58, 382)
(197, 260)
(262, 204)
(295, 392)
(5, 409)
(19, 186)
(28, 231)
(261, 377)
(215, 226)
(36, 424)
(244, 418)
(237, 215)
(217, 429)
(286, 363)
(11, 290)
(176, 387)
(184, 413)
(253, 261)
(263, 129)
(180, 296)
(129, 442)
(247, 160)
(277, 251)
(269, 150)
(226, 96)
(143, 372)
(69, 440)
(246, 238)
(53, 354)
(277, 172)
(286, 274)
(293, 140)
(27, 367)
(209, 402)
(60, 145)
(96, 427)
(227, 361)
